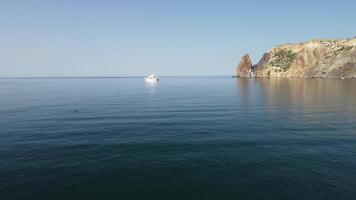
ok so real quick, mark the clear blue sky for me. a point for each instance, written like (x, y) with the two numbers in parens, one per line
(114, 38)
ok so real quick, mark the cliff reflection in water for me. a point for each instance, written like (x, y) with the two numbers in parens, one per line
(298, 92)
(299, 99)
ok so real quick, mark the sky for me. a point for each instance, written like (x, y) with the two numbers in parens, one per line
(66, 38)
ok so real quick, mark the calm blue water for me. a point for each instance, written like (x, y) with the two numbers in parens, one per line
(183, 138)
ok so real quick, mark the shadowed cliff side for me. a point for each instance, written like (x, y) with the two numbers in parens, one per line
(327, 58)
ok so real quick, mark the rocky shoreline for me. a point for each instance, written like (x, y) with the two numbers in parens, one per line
(323, 58)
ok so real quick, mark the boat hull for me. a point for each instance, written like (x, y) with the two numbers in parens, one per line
(151, 80)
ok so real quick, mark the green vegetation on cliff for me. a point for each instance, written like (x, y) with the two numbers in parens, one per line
(283, 59)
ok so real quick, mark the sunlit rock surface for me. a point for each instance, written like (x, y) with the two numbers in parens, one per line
(326, 58)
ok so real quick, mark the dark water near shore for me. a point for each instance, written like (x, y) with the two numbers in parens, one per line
(183, 138)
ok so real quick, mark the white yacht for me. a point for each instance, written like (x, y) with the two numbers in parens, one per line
(152, 78)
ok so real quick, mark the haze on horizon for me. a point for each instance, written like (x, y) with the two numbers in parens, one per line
(134, 38)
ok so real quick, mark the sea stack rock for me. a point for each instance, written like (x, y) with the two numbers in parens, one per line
(245, 67)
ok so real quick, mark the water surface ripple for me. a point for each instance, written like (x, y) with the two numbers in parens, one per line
(182, 138)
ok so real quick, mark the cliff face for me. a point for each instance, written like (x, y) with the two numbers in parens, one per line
(245, 68)
(328, 58)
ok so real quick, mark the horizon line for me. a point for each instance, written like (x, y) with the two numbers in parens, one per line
(171, 76)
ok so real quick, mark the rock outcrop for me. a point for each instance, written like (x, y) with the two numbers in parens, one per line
(245, 68)
(327, 58)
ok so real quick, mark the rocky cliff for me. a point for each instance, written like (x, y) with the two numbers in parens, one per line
(245, 67)
(327, 58)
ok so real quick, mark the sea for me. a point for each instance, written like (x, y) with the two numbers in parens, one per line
(180, 138)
